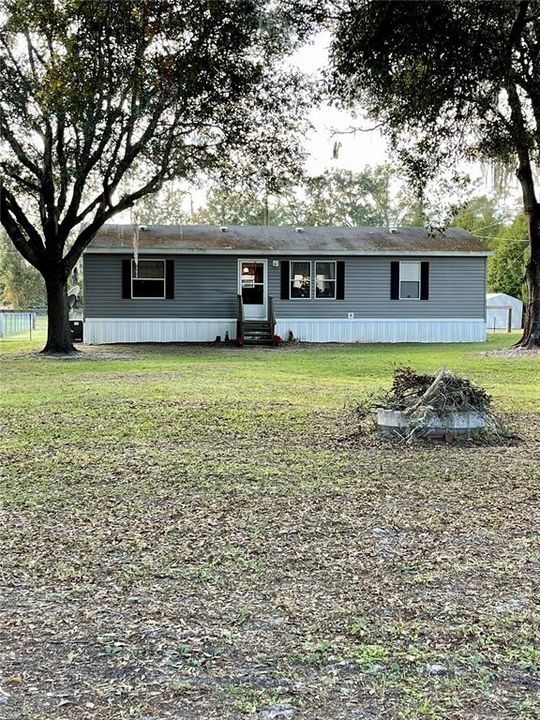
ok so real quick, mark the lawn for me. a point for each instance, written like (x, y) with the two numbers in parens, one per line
(187, 535)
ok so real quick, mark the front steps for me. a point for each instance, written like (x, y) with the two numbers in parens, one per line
(258, 332)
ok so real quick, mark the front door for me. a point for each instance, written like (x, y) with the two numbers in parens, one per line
(252, 279)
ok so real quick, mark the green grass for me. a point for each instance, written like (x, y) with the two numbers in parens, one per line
(186, 534)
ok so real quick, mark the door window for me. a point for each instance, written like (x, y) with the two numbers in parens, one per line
(252, 279)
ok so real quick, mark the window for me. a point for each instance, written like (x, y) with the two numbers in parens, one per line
(300, 279)
(325, 279)
(409, 280)
(148, 279)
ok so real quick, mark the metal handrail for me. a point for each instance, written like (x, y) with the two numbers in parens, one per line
(240, 318)
(272, 315)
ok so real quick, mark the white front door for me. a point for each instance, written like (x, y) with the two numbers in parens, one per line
(252, 286)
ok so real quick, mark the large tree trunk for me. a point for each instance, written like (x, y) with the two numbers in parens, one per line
(58, 334)
(531, 329)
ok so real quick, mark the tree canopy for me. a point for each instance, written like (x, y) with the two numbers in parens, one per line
(376, 196)
(450, 79)
(103, 101)
(507, 266)
(505, 235)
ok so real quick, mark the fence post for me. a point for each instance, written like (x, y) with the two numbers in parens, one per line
(509, 319)
(30, 324)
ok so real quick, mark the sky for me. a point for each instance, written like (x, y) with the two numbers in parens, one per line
(363, 147)
(333, 125)
(330, 126)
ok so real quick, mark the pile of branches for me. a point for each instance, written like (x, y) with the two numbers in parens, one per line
(428, 401)
(444, 393)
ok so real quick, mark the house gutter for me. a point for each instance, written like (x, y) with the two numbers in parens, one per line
(256, 252)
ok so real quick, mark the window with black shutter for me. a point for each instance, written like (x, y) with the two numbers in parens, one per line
(409, 280)
(148, 279)
(340, 283)
(304, 279)
(424, 281)
(169, 279)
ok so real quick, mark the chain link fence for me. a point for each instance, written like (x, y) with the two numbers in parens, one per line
(16, 323)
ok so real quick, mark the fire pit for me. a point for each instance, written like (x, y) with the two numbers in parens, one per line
(435, 406)
(435, 425)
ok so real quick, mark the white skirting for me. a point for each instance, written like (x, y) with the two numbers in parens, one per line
(384, 331)
(119, 330)
(122, 330)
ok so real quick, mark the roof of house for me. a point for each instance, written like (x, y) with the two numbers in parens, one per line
(277, 240)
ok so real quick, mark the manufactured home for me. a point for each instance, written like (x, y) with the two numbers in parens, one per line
(315, 284)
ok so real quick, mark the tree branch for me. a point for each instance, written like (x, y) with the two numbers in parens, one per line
(9, 136)
(14, 175)
(62, 162)
(88, 233)
(13, 219)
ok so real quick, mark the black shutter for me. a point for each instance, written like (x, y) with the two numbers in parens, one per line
(340, 280)
(424, 281)
(285, 277)
(126, 279)
(394, 281)
(169, 279)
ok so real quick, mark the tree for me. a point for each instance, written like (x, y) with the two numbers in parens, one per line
(374, 196)
(508, 264)
(164, 208)
(21, 285)
(506, 237)
(480, 216)
(462, 78)
(103, 101)
(226, 206)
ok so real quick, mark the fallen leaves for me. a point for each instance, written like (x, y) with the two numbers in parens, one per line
(211, 551)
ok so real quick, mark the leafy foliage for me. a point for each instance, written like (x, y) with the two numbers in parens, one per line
(226, 206)
(481, 216)
(435, 68)
(372, 197)
(376, 196)
(506, 238)
(165, 207)
(507, 266)
(21, 285)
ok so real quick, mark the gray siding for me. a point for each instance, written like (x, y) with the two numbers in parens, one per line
(457, 289)
(206, 287)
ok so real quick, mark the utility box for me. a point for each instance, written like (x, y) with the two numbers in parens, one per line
(76, 330)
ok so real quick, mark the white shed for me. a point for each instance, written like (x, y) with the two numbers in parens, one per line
(498, 306)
